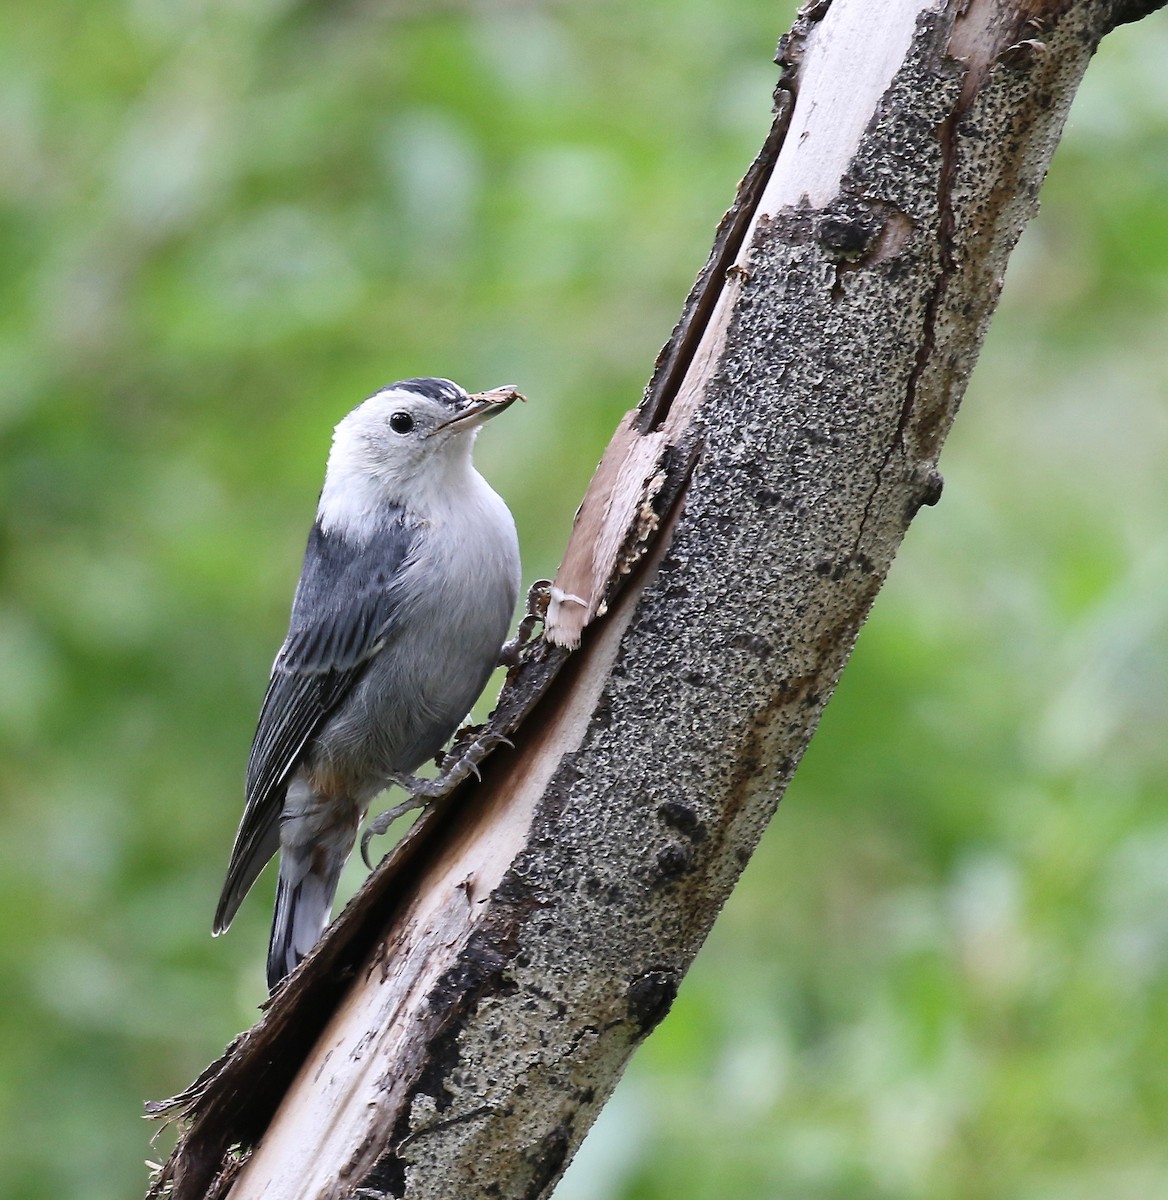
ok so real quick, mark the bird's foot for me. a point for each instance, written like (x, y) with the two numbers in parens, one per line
(423, 792)
(381, 823)
(455, 770)
(534, 613)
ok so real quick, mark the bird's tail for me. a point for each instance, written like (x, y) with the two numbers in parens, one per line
(304, 902)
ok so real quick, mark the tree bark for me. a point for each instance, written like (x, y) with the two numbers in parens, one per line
(459, 1028)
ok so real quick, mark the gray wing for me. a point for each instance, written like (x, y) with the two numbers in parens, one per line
(342, 616)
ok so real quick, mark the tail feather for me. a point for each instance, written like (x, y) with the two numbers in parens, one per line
(249, 856)
(304, 902)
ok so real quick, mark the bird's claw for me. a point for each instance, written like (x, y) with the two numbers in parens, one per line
(534, 612)
(422, 792)
(381, 823)
(455, 769)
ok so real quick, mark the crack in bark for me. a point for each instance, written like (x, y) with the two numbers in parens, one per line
(448, 1123)
(947, 268)
(677, 355)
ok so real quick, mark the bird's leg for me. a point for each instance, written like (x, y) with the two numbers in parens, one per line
(422, 792)
(456, 769)
(381, 823)
(534, 613)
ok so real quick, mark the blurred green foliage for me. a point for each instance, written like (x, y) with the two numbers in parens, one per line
(222, 223)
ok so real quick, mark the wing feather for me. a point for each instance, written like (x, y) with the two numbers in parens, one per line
(342, 616)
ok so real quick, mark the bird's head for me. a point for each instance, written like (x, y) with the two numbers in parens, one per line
(407, 444)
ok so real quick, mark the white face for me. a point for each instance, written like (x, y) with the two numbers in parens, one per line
(395, 433)
(404, 445)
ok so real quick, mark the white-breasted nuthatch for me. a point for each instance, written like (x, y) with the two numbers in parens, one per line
(404, 601)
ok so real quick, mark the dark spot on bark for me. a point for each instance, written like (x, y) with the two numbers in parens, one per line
(767, 498)
(682, 818)
(479, 965)
(816, 437)
(846, 237)
(930, 485)
(547, 1159)
(823, 568)
(387, 1177)
(789, 691)
(650, 996)
(693, 678)
(748, 764)
(754, 642)
(674, 859)
(481, 968)
(593, 885)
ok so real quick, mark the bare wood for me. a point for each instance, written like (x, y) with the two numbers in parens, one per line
(537, 927)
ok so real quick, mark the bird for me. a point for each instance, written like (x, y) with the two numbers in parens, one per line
(409, 583)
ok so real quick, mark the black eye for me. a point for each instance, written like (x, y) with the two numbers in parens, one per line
(401, 422)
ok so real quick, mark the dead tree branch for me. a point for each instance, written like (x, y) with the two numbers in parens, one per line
(460, 1027)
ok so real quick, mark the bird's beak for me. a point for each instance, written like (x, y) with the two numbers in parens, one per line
(483, 406)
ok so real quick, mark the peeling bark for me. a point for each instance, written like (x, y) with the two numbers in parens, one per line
(459, 1028)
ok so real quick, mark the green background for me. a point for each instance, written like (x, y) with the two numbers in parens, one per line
(945, 973)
